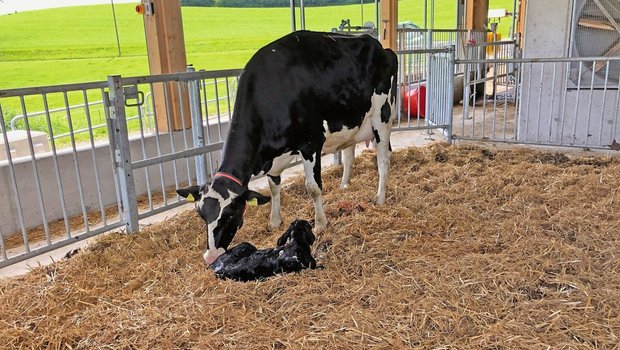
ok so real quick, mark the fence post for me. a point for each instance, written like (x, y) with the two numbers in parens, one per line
(197, 127)
(450, 92)
(122, 154)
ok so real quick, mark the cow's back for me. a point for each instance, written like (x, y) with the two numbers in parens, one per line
(290, 87)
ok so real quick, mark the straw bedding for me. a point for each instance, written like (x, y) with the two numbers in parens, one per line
(475, 248)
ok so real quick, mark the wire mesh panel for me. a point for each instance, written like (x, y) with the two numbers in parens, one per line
(55, 163)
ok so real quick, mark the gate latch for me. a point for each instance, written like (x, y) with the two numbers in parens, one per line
(131, 92)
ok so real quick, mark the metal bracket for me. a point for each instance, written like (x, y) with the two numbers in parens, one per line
(131, 92)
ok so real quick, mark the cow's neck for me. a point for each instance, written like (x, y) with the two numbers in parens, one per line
(240, 153)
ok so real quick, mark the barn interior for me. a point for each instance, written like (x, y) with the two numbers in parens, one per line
(483, 243)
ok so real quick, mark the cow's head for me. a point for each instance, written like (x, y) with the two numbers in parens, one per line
(221, 205)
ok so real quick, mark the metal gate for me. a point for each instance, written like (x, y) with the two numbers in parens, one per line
(426, 85)
(116, 157)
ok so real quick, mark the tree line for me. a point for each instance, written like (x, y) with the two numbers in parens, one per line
(264, 3)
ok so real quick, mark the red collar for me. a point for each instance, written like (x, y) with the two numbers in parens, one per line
(228, 176)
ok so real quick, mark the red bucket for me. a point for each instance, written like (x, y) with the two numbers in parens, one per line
(414, 101)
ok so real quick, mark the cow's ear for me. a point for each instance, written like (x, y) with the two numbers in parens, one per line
(255, 198)
(191, 194)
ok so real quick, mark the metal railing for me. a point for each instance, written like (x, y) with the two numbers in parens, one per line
(62, 191)
(58, 197)
(549, 102)
(426, 82)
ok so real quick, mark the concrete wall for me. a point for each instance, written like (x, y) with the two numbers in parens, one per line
(67, 161)
(552, 111)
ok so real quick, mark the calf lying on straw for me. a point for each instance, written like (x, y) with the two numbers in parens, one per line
(245, 263)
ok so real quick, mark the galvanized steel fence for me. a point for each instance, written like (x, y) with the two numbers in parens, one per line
(56, 191)
(572, 102)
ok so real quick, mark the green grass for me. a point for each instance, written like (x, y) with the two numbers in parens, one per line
(78, 44)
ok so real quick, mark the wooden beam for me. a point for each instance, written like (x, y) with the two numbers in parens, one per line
(521, 24)
(166, 52)
(389, 21)
(476, 14)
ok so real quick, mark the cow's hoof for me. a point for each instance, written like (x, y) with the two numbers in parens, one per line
(272, 225)
(319, 229)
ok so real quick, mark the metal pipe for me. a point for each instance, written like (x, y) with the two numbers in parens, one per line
(76, 163)
(35, 172)
(9, 157)
(302, 14)
(293, 25)
(61, 191)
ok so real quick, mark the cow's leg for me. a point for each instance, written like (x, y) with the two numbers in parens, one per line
(314, 185)
(382, 128)
(348, 155)
(275, 219)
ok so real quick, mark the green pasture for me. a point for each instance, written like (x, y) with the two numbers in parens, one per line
(78, 44)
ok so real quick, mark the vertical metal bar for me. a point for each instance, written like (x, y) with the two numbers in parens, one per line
(302, 14)
(9, 157)
(76, 162)
(466, 83)
(529, 95)
(540, 95)
(564, 97)
(228, 104)
(553, 90)
(147, 175)
(35, 171)
(617, 114)
(159, 153)
(184, 132)
(208, 132)
(123, 153)
(112, 148)
(61, 192)
(171, 134)
(94, 157)
(197, 128)
(600, 129)
(293, 25)
(577, 102)
(590, 105)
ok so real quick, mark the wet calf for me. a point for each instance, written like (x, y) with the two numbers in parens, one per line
(245, 263)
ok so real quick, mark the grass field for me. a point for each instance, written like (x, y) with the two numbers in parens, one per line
(78, 44)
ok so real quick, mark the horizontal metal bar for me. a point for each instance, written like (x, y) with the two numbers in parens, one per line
(422, 30)
(520, 142)
(538, 60)
(424, 51)
(178, 155)
(56, 245)
(182, 76)
(159, 210)
(40, 90)
(492, 43)
(425, 127)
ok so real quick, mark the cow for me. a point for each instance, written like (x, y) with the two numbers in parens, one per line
(246, 263)
(307, 93)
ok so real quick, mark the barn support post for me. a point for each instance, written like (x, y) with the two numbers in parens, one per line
(119, 139)
(389, 21)
(165, 43)
(197, 127)
(476, 14)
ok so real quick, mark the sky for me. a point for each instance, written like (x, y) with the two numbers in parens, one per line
(10, 6)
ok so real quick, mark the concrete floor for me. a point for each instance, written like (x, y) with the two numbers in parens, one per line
(399, 140)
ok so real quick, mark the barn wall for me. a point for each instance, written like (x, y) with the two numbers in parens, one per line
(51, 197)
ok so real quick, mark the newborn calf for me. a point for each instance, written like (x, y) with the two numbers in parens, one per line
(245, 263)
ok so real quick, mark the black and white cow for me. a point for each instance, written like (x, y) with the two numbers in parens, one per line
(306, 93)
